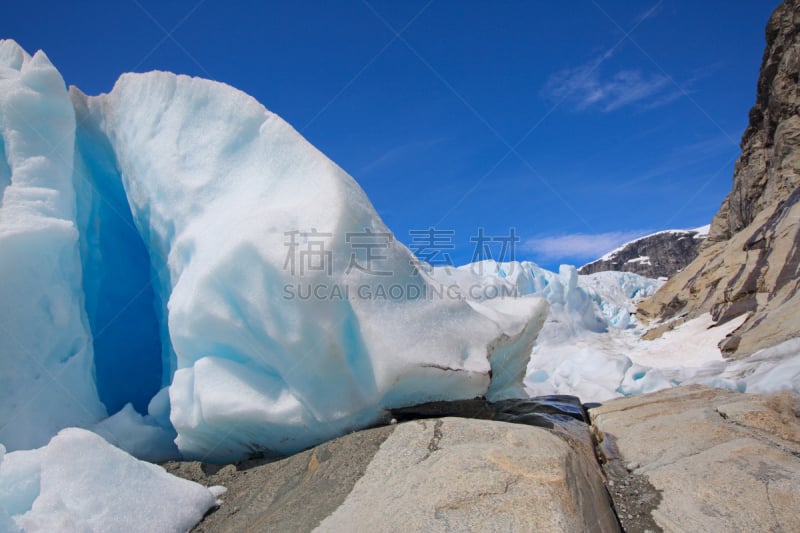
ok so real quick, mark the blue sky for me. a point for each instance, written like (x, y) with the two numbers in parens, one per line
(579, 124)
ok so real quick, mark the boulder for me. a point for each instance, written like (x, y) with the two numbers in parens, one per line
(703, 459)
(439, 474)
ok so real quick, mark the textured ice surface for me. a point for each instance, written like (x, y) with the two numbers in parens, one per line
(46, 374)
(225, 195)
(590, 343)
(78, 482)
(577, 351)
(149, 437)
(766, 371)
(173, 228)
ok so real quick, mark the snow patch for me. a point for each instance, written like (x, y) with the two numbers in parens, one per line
(79, 482)
(690, 345)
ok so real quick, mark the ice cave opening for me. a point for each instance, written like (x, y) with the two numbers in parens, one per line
(119, 280)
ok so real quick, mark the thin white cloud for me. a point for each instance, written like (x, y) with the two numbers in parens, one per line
(582, 246)
(587, 87)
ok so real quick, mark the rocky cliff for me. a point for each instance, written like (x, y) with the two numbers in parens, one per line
(767, 173)
(751, 260)
(661, 254)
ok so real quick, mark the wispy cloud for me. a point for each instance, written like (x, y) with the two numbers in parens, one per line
(579, 246)
(588, 86)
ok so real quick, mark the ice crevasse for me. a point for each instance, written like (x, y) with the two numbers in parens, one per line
(160, 237)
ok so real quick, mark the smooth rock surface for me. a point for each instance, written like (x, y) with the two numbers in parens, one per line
(294, 494)
(455, 474)
(443, 474)
(714, 460)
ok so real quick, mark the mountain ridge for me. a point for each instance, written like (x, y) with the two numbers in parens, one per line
(658, 255)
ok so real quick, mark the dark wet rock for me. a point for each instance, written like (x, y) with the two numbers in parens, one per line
(542, 411)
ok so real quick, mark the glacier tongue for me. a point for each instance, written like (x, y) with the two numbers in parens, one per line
(45, 342)
(174, 233)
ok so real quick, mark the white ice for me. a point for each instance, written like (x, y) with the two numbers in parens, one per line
(590, 345)
(80, 483)
(46, 360)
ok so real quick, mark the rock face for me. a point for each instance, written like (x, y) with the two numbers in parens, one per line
(440, 474)
(661, 254)
(768, 171)
(750, 262)
(703, 459)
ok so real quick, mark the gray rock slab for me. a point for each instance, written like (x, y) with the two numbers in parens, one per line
(455, 474)
(719, 460)
(293, 494)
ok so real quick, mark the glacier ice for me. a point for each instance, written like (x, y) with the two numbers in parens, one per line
(216, 186)
(569, 356)
(590, 344)
(769, 370)
(45, 342)
(116, 267)
(78, 482)
(166, 209)
(149, 437)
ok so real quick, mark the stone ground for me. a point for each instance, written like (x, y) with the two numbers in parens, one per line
(685, 459)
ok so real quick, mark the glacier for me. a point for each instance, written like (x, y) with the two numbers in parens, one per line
(180, 258)
(149, 237)
(572, 353)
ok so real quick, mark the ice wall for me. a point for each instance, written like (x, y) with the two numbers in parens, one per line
(219, 187)
(46, 374)
(584, 345)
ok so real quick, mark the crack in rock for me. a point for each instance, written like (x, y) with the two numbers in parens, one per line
(433, 445)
